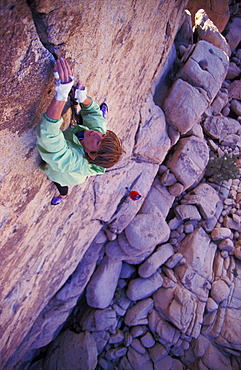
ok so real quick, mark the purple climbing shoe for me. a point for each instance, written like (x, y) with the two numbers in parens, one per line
(104, 110)
(57, 200)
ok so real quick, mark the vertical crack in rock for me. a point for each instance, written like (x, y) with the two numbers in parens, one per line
(138, 129)
(41, 27)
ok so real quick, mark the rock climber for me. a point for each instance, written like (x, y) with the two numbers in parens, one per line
(84, 150)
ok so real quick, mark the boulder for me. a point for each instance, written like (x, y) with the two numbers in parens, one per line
(236, 107)
(98, 320)
(187, 212)
(126, 247)
(206, 68)
(177, 305)
(231, 141)
(226, 245)
(157, 352)
(189, 159)
(176, 189)
(211, 305)
(200, 345)
(166, 363)
(218, 11)
(158, 258)
(167, 332)
(233, 71)
(206, 30)
(181, 108)
(115, 353)
(147, 340)
(220, 101)
(219, 291)
(138, 360)
(137, 331)
(221, 233)
(218, 126)
(137, 345)
(72, 351)
(173, 260)
(105, 319)
(231, 328)
(127, 271)
(167, 178)
(79, 279)
(141, 288)
(233, 223)
(145, 231)
(116, 253)
(196, 130)
(152, 140)
(137, 314)
(199, 253)
(205, 198)
(101, 339)
(215, 359)
(233, 33)
(237, 252)
(159, 197)
(234, 90)
(106, 274)
(195, 248)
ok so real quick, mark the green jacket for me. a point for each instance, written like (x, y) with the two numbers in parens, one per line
(62, 152)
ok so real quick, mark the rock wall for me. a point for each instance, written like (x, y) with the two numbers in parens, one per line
(118, 48)
(162, 274)
(173, 272)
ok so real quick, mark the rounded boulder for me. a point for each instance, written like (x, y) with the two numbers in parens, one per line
(146, 231)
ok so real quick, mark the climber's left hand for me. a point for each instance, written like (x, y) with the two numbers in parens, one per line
(63, 73)
(64, 79)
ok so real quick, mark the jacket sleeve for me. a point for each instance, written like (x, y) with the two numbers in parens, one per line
(54, 149)
(92, 117)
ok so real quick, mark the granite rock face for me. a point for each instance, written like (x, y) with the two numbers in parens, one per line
(178, 300)
(162, 274)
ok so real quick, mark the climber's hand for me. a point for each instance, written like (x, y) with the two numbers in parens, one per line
(80, 85)
(80, 92)
(62, 71)
(64, 79)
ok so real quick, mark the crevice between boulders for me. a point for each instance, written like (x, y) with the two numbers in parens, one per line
(39, 20)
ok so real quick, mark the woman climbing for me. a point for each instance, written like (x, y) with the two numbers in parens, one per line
(85, 150)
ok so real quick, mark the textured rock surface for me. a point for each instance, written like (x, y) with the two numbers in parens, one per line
(180, 107)
(41, 246)
(189, 160)
(208, 31)
(187, 282)
(80, 352)
(206, 68)
(106, 275)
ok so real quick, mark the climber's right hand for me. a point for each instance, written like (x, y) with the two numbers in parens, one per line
(80, 92)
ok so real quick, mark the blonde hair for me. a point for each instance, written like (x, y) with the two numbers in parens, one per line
(109, 151)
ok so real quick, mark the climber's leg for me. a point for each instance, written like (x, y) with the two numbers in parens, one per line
(63, 192)
(104, 110)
